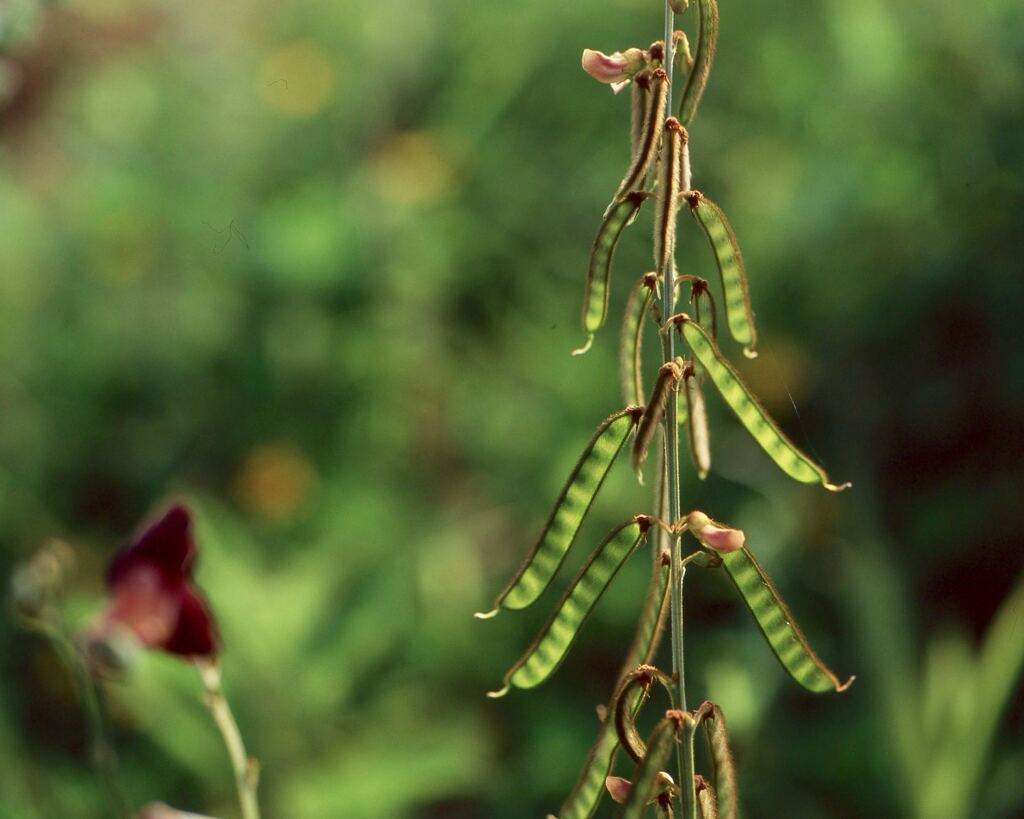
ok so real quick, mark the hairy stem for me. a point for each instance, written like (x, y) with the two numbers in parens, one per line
(245, 768)
(684, 754)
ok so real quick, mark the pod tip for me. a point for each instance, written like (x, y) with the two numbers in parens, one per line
(846, 684)
(498, 694)
(750, 352)
(841, 487)
(702, 473)
(586, 345)
(486, 615)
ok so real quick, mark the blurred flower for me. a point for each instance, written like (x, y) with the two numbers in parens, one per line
(615, 69)
(37, 583)
(151, 596)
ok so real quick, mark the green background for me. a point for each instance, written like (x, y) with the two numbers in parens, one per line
(316, 267)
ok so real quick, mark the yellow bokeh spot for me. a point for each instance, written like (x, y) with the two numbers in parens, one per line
(412, 168)
(274, 481)
(297, 80)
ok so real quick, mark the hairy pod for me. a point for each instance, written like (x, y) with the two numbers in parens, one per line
(668, 378)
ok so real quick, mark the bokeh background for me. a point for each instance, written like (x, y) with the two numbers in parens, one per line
(316, 267)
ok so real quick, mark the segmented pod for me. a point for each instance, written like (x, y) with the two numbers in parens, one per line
(670, 163)
(751, 414)
(668, 377)
(707, 37)
(546, 653)
(723, 770)
(624, 713)
(631, 338)
(599, 269)
(659, 748)
(585, 796)
(706, 799)
(647, 145)
(569, 511)
(703, 301)
(640, 98)
(738, 313)
(696, 411)
(777, 623)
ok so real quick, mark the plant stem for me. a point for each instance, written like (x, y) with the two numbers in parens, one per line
(668, 289)
(101, 748)
(245, 768)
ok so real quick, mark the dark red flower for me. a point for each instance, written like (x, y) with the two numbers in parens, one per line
(151, 590)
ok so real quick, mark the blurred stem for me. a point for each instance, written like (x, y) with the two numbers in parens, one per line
(104, 758)
(684, 754)
(245, 768)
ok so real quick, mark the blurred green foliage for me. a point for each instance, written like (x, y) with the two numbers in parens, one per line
(317, 267)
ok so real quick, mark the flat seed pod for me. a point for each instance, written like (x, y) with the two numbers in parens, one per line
(670, 164)
(546, 653)
(647, 145)
(599, 269)
(586, 794)
(703, 302)
(696, 411)
(659, 747)
(639, 100)
(777, 623)
(706, 799)
(568, 514)
(722, 767)
(738, 313)
(623, 712)
(789, 458)
(631, 338)
(707, 37)
(668, 377)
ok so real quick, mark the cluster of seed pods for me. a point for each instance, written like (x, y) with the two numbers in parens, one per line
(659, 169)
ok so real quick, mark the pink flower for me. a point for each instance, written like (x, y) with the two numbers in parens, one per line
(615, 69)
(714, 536)
(151, 594)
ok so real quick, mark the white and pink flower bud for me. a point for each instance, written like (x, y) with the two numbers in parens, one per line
(615, 69)
(713, 536)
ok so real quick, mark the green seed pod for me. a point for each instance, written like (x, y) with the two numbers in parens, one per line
(648, 142)
(631, 338)
(696, 411)
(682, 60)
(586, 794)
(659, 747)
(668, 377)
(722, 767)
(707, 37)
(624, 713)
(670, 164)
(703, 302)
(546, 653)
(568, 514)
(599, 269)
(640, 99)
(719, 233)
(706, 800)
(752, 415)
(777, 623)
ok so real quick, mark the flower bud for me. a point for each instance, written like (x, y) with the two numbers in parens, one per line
(36, 584)
(713, 536)
(615, 69)
(618, 788)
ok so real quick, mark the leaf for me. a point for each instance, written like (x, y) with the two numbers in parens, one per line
(752, 415)
(726, 250)
(546, 653)
(567, 516)
(778, 624)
